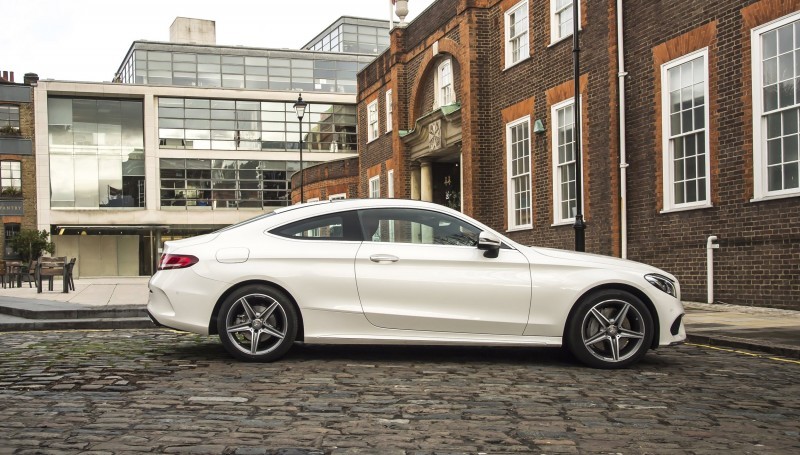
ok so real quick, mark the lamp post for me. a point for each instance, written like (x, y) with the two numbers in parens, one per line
(300, 108)
(579, 226)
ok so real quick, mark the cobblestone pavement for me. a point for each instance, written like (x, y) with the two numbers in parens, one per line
(160, 391)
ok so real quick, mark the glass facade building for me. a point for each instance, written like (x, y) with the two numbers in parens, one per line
(190, 138)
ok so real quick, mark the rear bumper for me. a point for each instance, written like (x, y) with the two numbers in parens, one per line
(183, 300)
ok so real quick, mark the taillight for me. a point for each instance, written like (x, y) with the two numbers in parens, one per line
(176, 261)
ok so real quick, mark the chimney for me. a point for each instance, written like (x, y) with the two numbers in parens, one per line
(31, 79)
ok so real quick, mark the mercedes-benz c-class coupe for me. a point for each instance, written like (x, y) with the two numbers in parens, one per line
(390, 271)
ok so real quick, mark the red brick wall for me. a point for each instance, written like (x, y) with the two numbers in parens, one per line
(758, 262)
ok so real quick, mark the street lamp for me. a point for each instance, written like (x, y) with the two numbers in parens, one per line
(300, 108)
(579, 226)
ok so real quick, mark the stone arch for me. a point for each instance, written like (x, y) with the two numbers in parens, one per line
(428, 64)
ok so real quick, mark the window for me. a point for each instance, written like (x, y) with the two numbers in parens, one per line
(390, 183)
(685, 123)
(561, 25)
(564, 194)
(388, 111)
(516, 30)
(11, 231)
(10, 178)
(445, 95)
(519, 173)
(96, 153)
(372, 120)
(219, 124)
(776, 108)
(375, 187)
(417, 226)
(336, 197)
(340, 226)
(9, 117)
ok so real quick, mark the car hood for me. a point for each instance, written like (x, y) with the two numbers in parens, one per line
(599, 260)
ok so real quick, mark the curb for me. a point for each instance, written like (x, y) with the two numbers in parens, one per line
(77, 324)
(745, 343)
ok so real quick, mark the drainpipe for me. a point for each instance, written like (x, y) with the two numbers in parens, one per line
(623, 165)
(710, 247)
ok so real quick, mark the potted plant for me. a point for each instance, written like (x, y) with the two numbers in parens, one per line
(10, 192)
(9, 130)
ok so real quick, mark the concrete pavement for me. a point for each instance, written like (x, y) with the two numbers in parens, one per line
(119, 302)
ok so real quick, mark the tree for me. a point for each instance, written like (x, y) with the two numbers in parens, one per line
(30, 244)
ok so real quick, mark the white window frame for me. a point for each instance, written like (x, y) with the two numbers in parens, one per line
(509, 48)
(555, 29)
(389, 108)
(390, 183)
(760, 182)
(372, 121)
(438, 99)
(668, 169)
(511, 190)
(375, 187)
(312, 199)
(337, 196)
(11, 174)
(557, 218)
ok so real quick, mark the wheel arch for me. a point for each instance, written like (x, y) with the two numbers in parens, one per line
(619, 287)
(212, 323)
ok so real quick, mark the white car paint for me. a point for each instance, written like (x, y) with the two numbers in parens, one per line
(523, 298)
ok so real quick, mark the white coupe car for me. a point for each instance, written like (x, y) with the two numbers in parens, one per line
(390, 271)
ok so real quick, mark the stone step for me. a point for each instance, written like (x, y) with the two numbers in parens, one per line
(12, 324)
(66, 311)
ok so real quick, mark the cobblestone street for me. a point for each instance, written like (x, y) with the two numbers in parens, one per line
(165, 392)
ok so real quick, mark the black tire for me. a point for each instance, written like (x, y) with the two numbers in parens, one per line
(596, 337)
(271, 320)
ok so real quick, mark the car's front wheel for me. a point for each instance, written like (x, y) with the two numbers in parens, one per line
(610, 329)
(257, 323)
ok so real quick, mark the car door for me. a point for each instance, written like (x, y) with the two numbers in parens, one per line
(421, 270)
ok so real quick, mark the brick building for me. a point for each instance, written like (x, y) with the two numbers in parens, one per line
(17, 163)
(689, 130)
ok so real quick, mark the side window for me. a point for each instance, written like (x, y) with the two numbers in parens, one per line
(416, 226)
(339, 226)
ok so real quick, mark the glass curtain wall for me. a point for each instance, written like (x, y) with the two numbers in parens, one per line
(209, 124)
(238, 71)
(221, 184)
(360, 39)
(96, 153)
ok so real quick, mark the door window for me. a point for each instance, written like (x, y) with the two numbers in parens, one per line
(399, 225)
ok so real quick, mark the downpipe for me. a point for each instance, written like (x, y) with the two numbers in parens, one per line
(710, 247)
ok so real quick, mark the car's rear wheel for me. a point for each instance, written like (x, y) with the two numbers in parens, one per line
(610, 329)
(257, 323)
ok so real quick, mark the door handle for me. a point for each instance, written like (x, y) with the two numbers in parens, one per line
(383, 258)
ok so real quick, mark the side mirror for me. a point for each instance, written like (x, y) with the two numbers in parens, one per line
(489, 243)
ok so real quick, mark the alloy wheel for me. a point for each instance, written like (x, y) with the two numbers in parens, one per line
(256, 324)
(613, 330)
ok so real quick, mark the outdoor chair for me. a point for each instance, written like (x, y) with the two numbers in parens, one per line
(3, 273)
(49, 268)
(70, 280)
(13, 272)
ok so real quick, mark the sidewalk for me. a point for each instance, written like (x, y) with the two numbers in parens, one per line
(96, 303)
(119, 303)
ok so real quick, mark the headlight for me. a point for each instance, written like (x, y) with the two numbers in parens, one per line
(663, 283)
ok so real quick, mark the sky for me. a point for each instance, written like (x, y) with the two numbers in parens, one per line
(86, 40)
